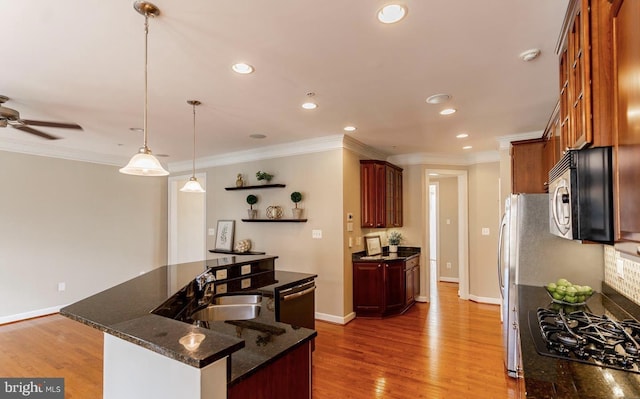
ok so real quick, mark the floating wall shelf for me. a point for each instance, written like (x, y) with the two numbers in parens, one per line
(255, 187)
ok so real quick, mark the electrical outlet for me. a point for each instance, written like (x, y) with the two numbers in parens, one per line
(211, 231)
(358, 240)
(448, 265)
(485, 231)
(62, 286)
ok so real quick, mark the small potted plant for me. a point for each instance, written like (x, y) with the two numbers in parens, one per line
(252, 200)
(296, 197)
(394, 240)
(264, 177)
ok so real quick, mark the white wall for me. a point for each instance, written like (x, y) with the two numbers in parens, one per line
(79, 223)
(318, 176)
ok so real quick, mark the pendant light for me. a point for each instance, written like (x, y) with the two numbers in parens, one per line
(193, 185)
(144, 163)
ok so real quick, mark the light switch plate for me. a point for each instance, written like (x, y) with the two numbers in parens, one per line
(485, 231)
(620, 268)
(211, 231)
(316, 233)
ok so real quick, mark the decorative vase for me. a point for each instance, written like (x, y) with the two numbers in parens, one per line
(252, 213)
(297, 213)
(393, 248)
(239, 181)
(274, 212)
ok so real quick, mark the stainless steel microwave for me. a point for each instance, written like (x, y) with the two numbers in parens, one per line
(581, 195)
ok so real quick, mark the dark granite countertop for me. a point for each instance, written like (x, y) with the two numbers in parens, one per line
(124, 311)
(549, 377)
(403, 253)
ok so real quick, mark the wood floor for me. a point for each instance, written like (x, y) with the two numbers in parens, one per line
(446, 349)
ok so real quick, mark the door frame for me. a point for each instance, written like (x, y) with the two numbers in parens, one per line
(172, 223)
(463, 225)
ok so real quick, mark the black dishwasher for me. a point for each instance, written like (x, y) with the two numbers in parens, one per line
(295, 304)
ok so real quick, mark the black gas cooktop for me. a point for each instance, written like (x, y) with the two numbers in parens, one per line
(584, 337)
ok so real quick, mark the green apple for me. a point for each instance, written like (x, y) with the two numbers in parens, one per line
(551, 287)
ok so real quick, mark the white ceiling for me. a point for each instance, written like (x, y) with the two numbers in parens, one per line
(82, 61)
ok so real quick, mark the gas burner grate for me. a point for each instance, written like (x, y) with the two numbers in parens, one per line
(588, 338)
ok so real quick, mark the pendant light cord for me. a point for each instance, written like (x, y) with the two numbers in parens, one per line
(146, 101)
(194, 141)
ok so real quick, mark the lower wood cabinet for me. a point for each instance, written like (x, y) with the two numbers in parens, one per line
(385, 288)
(289, 377)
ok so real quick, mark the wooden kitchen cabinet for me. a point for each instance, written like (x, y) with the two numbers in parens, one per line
(412, 280)
(584, 51)
(380, 194)
(626, 59)
(551, 150)
(385, 288)
(528, 173)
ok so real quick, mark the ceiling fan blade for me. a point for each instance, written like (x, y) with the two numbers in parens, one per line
(36, 132)
(51, 124)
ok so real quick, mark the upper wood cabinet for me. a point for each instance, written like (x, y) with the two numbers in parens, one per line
(380, 194)
(585, 75)
(528, 173)
(626, 59)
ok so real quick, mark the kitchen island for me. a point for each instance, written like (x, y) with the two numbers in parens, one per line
(144, 348)
(551, 377)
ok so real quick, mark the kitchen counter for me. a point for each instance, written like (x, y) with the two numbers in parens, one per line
(549, 377)
(403, 253)
(124, 311)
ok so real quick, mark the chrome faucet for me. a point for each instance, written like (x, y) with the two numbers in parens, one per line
(205, 291)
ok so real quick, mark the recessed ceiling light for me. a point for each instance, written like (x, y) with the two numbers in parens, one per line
(257, 136)
(350, 128)
(448, 111)
(433, 174)
(530, 55)
(391, 13)
(242, 68)
(467, 147)
(462, 135)
(309, 105)
(438, 98)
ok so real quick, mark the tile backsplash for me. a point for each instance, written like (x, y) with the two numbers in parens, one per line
(622, 274)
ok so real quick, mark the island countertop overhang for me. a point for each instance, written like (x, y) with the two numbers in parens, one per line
(124, 311)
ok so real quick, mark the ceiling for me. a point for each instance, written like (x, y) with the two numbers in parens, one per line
(83, 62)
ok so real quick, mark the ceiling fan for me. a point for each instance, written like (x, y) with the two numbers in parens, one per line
(12, 118)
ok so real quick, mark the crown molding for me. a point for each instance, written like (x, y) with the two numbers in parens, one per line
(320, 144)
(71, 154)
(504, 142)
(445, 159)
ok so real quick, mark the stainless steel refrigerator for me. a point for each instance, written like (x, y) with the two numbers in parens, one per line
(528, 254)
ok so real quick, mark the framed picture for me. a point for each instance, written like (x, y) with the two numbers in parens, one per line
(224, 235)
(373, 245)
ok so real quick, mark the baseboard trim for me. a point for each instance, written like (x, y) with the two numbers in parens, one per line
(484, 299)
(30, 315)
(450, 279)
(335, 319)
(422, 298)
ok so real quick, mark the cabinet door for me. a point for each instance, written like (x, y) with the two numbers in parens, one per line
(409, 286)
(527, 169)
(579, 76)
(367, 195)
(380, 201)
(394, 286)
(416, 281)
(368, 288)
(627, 118)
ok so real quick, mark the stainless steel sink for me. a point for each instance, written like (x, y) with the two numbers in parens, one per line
(238, 299)
(242, 311)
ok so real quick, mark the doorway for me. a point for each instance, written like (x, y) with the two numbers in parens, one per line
(456, 217)
(187, 222)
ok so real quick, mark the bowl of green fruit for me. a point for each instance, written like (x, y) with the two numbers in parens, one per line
(563, 291)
